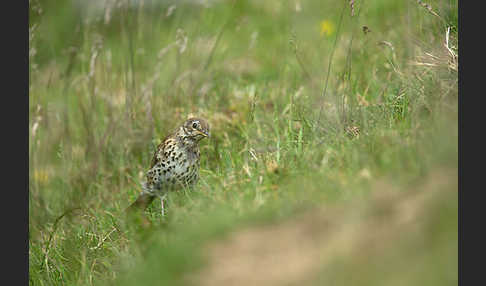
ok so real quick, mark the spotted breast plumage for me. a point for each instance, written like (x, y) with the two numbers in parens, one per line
(175, 164)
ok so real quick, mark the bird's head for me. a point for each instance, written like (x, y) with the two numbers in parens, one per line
(196, 128)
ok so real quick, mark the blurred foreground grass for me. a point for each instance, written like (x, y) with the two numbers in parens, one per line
(333, 156)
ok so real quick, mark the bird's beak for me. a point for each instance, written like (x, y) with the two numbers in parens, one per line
(205, 134)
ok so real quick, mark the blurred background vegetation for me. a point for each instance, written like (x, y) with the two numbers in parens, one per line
(333, 156)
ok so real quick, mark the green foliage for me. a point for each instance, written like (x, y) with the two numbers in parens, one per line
(107, 82)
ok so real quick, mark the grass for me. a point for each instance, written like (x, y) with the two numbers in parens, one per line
(334, 152)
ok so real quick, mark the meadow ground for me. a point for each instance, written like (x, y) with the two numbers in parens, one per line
(333, 152)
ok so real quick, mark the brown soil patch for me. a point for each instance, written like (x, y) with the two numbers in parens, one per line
(294, 252)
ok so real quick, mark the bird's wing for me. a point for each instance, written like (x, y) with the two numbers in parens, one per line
(159, 153)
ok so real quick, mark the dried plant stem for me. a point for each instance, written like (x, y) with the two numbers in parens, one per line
(213, 49)
(51, 235)
(295, 48)
(330, 62)
(220, 33)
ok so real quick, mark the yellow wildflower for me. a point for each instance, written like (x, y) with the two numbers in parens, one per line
(327, 28)
(41, 176)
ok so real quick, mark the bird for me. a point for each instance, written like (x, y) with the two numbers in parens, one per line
(175, 163)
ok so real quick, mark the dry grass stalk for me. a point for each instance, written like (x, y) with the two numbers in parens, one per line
(428, 7)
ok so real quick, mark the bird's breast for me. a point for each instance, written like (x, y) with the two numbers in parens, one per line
(182, 165)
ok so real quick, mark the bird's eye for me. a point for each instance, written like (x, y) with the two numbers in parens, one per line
(194, 125)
